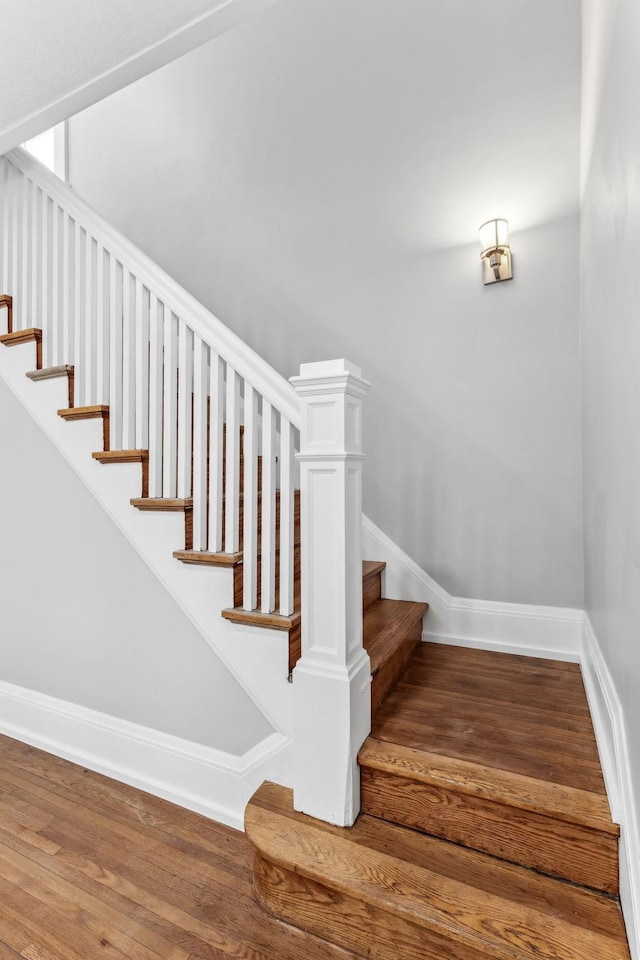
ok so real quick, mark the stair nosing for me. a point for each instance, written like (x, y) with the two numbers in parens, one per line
(484, 782)
(417, 908)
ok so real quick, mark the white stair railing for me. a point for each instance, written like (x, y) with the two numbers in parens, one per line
(178, 383)
(221, 431)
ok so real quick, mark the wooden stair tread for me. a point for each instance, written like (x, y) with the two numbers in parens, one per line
(94, 412)
(49, 373)
(551, 799)
(29, 335)
(458, 712)
(385, 625)
(162, 504)
(121, 456)
(461, 901)
(207, 558)
(256, 618)
(372, 567)
(5, 300)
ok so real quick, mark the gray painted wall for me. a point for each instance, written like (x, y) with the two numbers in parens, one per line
(317, 177)
(83, 617)
(610, 295)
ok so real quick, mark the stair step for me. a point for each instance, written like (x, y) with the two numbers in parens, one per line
(392, 631)
(206, 558)
(492, 772)
(7, 301)
(94, 412)
(127, 456)
(390, 893)
(162, 504)
(371, 582)
(274, 621)
(50, 373)
(549, 827)
(31, 335)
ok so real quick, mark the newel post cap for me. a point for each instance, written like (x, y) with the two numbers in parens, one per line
(341, 374)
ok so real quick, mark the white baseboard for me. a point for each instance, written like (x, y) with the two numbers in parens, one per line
(208, 781)
(526, 629)
(612, 738)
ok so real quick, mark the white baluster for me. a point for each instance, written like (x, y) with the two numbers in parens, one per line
(35, 319)
(102, 328)
(250, 500)
(232, 463)
(185, 408)
(78, 310)
(5, 225)
(170, 430)
(128, 364)
(216, 441)
(142, 366)
(115, 357)
(200, 436)
(268, 537)
(67, 325)
(45, 286)
(89, 321)
(156, 343)
(28, 319)
(287, 525)
(18, 313)
(56, 357)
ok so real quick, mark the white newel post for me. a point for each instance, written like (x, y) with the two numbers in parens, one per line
(332, 679)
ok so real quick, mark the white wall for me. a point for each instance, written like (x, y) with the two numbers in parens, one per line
(84, 619)
(317, 177)
(610, 297)
(57, 58)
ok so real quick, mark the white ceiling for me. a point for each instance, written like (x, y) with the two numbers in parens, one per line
(59, 57)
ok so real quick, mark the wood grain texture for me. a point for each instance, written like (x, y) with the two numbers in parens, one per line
(206, 558)
(516, 714)
(552, 846)
(380, 888)
(391, 633)
(371, 582)
(488, 783)
(494, 752)
(92, 868)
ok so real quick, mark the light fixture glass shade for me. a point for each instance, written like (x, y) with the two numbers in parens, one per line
(494, 233)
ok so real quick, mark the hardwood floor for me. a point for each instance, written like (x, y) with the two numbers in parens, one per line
(92, 868)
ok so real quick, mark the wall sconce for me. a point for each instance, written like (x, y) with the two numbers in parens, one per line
(496, 252)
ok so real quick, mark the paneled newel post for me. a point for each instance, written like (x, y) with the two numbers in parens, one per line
(332, 679)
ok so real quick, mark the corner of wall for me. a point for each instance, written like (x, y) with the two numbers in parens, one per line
(612, 739)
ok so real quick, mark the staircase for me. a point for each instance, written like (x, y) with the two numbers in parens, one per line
(485, 830)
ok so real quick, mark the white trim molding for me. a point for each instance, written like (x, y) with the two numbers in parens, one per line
(613, 747)
(520, 628)
(200, 778)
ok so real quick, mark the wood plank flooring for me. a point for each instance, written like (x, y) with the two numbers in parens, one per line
(92, 868)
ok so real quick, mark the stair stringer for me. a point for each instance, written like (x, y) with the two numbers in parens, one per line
(258, 659)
